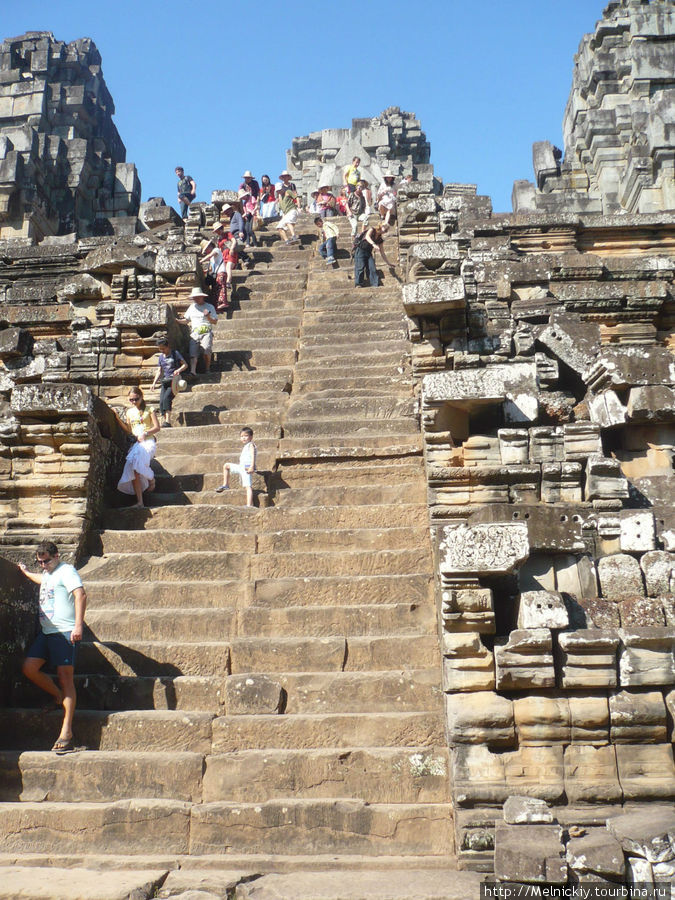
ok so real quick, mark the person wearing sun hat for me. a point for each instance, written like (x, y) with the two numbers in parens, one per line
(249, 184)
(201, 317)
(285, 181)
(326, 202)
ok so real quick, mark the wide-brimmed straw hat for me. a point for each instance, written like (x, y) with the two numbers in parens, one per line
(324, 187)
(204, 244)
(197, 292)
(218, 225)
(247, 174)
(285, 173)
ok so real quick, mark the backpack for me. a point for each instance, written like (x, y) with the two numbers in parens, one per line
(358, 241)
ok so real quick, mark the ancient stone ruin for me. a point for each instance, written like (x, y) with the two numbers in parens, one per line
(392, 143)
(442, 647)
(63, 166)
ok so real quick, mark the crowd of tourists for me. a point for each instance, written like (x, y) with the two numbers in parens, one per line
(63, 599)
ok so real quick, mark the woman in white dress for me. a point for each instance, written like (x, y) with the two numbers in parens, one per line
(143, 424)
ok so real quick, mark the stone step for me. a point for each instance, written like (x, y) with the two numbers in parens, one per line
(376, 775)
(257, 330)
(155, 730)
(160, 541)
(222, 397)
(298, 476)
(96, 776)
(250, 357)
(300, 541)
(327, 730)
(330, 446)
(169, 624)
(126, 594)
(256, 654)
(123, 826)
(353, 428)
(366, 384)
(173, 566)
(272, 379)
(138, 827)
(312, 365)
(220, 438)
(228, 339)
(376, 409)
(264, 421)
(342, 562)
(335, 826)
(347, 590)
(380, 340)
(356, 495)
(163, 624)
(413, 690)
(234, 520)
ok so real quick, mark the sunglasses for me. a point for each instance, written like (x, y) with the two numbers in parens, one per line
(43, 562)
(134, 399)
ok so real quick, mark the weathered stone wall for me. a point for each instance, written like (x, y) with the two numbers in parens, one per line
(392, 143)
(63, 165)
(618, 134)
(18, 598)
(543, 349)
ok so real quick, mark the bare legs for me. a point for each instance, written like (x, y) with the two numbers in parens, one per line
(64, 695)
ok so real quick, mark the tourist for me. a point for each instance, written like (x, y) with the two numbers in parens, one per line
(227, 244)
(170, 366)
(342, 201)
(288, 207)
(268, 205)
(244, 468)
(285, 181)
(217, 275)
(367, 242)
(141, 422)
(328, 234)
(326, 201)
(356, 209)
(250, 185)
(352, 174)
(233, 211)
(249, 212)
(368, 197)
(201, 317)
(187, 190)
(62, 605)
(313, 206)
(386, 200)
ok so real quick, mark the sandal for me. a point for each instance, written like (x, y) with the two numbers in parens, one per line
(63, 745)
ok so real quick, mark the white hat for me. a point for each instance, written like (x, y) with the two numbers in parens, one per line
(227, 206)
(243, 193)
(284, 173)
(218, 225)
(247, 174)
(178, 384)
(197, 292)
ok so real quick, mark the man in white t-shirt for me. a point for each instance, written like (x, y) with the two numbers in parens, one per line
(62, 606)
(201, 316)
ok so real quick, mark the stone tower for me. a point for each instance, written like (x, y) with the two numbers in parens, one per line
(618, 123)
(392, 143)
(62, 162)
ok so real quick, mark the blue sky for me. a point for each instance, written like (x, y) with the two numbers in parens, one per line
(220, 87)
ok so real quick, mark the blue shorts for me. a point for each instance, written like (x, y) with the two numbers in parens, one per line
(55, 649)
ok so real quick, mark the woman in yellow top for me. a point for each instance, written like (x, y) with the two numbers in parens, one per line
(142, 422)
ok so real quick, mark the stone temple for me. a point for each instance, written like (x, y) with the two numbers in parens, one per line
(441, 648)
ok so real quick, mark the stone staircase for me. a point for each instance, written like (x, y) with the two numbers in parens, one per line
(260, 688)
